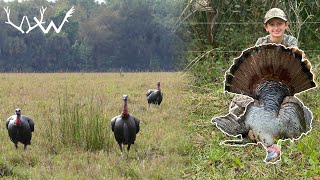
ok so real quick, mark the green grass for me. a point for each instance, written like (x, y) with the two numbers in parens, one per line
(73, 138)
(82, 124)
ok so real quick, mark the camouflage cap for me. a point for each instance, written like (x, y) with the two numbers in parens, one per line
(275, 13)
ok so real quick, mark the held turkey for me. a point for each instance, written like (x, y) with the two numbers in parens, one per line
(270, 75)
(20, 129)
(154, 96)
(125, 126)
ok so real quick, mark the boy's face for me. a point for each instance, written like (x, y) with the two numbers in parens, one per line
(276, 27)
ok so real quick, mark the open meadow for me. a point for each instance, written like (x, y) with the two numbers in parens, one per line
(73, 138)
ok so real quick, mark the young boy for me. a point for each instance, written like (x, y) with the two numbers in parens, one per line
(275, 23)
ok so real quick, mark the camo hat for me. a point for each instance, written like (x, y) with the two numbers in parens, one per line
(275, 13)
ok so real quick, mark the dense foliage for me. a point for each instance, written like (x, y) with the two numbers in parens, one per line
(122, 34)
(219, 32)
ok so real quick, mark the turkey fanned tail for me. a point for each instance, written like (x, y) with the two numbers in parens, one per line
(269, 62)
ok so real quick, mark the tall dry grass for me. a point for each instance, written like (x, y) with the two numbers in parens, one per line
(73, 139)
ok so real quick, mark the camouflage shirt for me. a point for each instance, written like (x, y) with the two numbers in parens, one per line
(288, 41)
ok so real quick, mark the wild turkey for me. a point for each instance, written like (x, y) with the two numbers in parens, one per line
(154, 96)
(20, 129)
(125, 126)
(270, 75)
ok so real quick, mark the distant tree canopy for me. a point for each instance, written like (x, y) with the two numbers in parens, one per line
(119, 34)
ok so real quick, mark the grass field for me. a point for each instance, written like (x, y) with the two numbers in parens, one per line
(73, 139)
(161, 150)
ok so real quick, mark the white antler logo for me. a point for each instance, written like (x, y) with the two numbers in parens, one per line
(39, 22)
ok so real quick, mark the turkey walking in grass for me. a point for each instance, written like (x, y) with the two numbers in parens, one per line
(20, 129)
(154, 96)
(125, 126)
(266, 78)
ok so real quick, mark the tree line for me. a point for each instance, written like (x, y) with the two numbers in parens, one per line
(128, 35)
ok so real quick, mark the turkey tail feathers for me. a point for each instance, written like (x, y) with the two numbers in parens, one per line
(273, 62)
